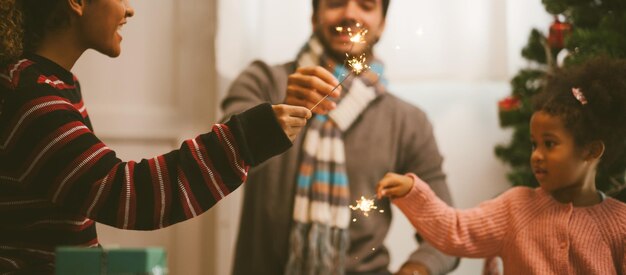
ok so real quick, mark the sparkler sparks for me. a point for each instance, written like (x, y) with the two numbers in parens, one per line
(357, 35)
(365, 205)
(357, 64)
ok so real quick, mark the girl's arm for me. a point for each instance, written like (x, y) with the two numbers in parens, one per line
(476, 232)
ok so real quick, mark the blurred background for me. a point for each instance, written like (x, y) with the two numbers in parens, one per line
(452, 58)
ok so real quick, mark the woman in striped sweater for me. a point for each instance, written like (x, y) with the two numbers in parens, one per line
(57, 178)
(565, 226)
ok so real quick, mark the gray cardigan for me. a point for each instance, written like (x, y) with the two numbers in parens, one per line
(390, 136)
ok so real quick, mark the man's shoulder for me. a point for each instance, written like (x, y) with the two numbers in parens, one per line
(391, 98)
(268, 77)
(262, 67)
(399, 107)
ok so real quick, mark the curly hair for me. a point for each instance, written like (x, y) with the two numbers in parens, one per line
(11, 31)
(602, 81)
(26, 23)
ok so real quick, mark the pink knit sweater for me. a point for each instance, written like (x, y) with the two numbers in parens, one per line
(531, 231)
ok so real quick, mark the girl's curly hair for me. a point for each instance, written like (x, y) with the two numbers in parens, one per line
(602, 81)
(11, 31)
(26, 23)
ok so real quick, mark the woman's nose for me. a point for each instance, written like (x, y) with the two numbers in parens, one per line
(129, 9)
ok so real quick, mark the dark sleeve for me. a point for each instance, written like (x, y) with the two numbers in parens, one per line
(259, 134)
(48, 149)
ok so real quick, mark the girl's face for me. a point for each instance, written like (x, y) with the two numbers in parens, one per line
(100, 23)
(556, 160)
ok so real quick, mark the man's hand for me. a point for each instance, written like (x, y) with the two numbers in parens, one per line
(413, 269)
(308, 85)
(291, 118)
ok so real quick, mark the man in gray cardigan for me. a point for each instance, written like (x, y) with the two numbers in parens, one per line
(282, 230)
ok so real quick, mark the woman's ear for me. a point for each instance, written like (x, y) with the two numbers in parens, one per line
(595, 150)
(76, 6)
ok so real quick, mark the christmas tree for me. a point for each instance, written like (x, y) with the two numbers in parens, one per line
(582, 29)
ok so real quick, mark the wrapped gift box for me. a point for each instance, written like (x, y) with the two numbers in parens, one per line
(79, 260)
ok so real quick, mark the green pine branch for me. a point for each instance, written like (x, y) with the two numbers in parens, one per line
(599, 28)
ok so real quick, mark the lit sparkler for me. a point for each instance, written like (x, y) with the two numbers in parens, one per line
(365, 205)
(357, 64)
(357, 35)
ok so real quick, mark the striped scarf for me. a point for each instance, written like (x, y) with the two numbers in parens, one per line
(319, 236)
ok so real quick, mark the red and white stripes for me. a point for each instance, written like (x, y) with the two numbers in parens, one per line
(128, 198)
(12, 76)
(77, 168)
(98, 191)
(31, 111)
(188, 201)
(227, 139)
(161, 191)
(55, 82)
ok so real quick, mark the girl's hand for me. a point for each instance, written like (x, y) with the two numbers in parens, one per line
(291, 118)
(394, 186)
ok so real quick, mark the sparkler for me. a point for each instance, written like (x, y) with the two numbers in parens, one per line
(357, 64)
(331, 91)
(357, 36)
(365, 205)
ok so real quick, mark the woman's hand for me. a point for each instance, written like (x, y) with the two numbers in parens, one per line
(291, 118)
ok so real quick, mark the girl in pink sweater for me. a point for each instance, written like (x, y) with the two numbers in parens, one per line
(566, 226)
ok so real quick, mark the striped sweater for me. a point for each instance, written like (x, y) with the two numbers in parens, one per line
(57, 178)
(531, 231)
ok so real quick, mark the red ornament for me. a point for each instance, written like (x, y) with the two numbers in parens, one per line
(558, 32)
(509, 104)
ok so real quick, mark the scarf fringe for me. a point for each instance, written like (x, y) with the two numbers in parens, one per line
(323, 252)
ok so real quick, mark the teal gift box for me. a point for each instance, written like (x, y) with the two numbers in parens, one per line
(126, 261)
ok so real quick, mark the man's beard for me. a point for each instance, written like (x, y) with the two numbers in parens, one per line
(341, 56)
